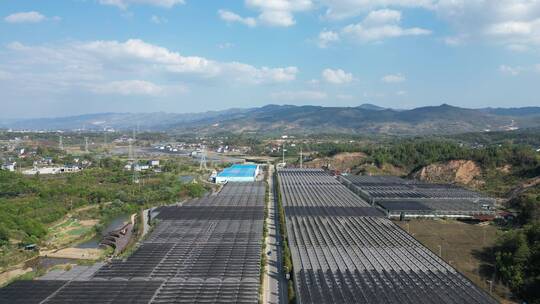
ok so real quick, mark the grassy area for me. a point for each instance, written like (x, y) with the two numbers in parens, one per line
(461, 245)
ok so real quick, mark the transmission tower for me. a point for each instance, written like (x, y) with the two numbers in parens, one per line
(202, 165)
(133, 157)
(60, 143)
(86, 144)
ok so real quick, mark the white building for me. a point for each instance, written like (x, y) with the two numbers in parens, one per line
(9, 166)
(51, 170)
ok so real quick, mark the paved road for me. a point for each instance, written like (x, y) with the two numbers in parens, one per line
(275, 285)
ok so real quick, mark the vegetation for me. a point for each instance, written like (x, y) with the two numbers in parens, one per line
(287, 257)
(264, 236)
(30, 205)
(517, 261)
(413, 154)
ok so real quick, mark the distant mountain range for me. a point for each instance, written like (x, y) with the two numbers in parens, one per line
(366, 118)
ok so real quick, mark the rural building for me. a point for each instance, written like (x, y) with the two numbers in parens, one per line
(238, 173)
(52, 170)
(9, 166)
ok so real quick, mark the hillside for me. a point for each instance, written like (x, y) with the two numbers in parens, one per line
(366, 118)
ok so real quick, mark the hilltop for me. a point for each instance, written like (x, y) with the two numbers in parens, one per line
(366, 118)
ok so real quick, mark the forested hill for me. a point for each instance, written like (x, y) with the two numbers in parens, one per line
(443, 119)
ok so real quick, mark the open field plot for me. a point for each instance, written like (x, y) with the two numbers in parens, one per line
(461, 246)
(206, 251)
(412, 198)
(360, 259)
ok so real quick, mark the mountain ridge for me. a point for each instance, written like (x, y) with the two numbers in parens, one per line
(366, 118)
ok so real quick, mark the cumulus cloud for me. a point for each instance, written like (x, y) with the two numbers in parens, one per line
(393, 78)
(514, 24)
(326, 38)
(337, 76)
(299, 95)
(508, 23)
(25, 17)
(279, 13)
(379, 25)
(124, 4)
(229, 16)
(129, 67)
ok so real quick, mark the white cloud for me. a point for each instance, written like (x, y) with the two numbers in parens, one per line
(511, 28)
(515, 22)
(509, 23)
(299, 95)
(379, 25)
(382, 17)
(510, 70)
(229, 16)
(132, 66)
(341, 9)
(25, 17)
(327, 37)
(124, 4)
(279, 13)
(337, 76)
(393, 78)
(518, 47)
(158, 20)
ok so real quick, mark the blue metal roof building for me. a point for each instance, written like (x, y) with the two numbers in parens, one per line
(238, 173)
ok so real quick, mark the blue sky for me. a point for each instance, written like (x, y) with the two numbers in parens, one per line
(70, 57)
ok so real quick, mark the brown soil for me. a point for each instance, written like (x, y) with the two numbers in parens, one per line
(8, 276)
(342, 161)
(74, 253)
(465, 172)
(461, 246)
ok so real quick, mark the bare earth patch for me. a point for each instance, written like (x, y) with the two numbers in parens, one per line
(7, 276)
(461, 245)
(74, 253)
